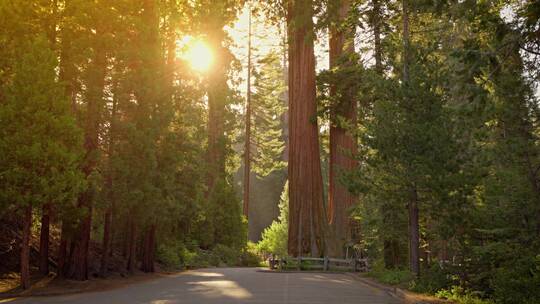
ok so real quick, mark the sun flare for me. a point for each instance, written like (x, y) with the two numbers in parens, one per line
(198, 54)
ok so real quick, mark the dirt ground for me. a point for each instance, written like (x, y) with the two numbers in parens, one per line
(49, 286)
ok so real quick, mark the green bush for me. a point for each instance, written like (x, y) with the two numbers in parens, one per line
(518, 282)
(434, 279)
(459, 295)
(171, 254)
(274, 238)
(249, 256)
(391, 276)
(227, 256)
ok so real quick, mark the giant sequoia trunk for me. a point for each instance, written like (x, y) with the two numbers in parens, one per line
(44, 240)
(94, 103)
(25, 247)
(342, 143)
(217, 95)
(305, 179)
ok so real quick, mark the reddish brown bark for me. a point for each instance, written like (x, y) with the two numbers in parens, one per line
(125, 239)
(217, 98)
(107, 229)
(342, 143)
(305, 178)
(62, 251)
(247, 144)
(147, 264)
(44, 240)
(106, 242)
(132, 246)
(25, 248)
(78, 268)
(94, 104)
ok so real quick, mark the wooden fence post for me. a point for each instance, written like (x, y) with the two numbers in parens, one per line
(326, 262)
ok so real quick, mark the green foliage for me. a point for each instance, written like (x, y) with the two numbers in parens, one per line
(433, 279)
(175, 255)
(461, 131)
(399, 277)
(458, 295)
(250, 256)
(39, 141)
(518, 282)
(274, 238)
(221, 221)
(267, 110)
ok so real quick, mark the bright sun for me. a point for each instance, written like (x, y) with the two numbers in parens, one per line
(198, 54)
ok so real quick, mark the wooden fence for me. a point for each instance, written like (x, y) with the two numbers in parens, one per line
(323, 264)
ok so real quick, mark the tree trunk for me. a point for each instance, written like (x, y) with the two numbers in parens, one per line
(78, 269)
(132, 246)
(217, 97)
(376, 17)
(106, 242)
(414, 227)
(125, 239)
(305, 178)
(342, 143)
(44, 240)
(62, 251)
(414, 234)
(107, 233)
(94, 104)
(25, 248)
(149, 249)
(247, 146)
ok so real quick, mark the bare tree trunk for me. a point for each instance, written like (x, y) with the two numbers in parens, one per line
(108, 213)
(78, 269)
(62, 251)
(342, 143)
(305, 178)
(414, 226)
(414, 234)
(217, 95)
(132, 260)
(44, 240)
(147, 264)
(94, 103)
(376, 17)
(25, 248)
(125, 238)
(247, 147)
(106, 242)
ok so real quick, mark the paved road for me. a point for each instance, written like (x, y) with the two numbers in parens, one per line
(235, 285)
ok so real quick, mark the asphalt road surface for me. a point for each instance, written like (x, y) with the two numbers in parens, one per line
(235, 285)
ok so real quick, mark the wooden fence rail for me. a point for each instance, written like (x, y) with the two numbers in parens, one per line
(325, 264)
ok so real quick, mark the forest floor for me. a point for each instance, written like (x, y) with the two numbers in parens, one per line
(49, 286)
